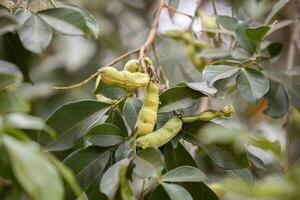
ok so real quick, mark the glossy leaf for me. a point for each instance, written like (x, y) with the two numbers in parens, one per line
(110, 180)
(7, 24)
(10, 101)
(243, 40)
(36, 174)
(178, 97)
(71, 121)
(276, 8)
(176, 157)
(199, 191)
(252, 84)
(148, 163)
(65, 20)
(200, 87)
(278, 100)
(131, 110)
(35, 34)
(105, 135)
(116, 118)
(9, 74)
(184, 174)
(176, 192)
(257, 34)
(13, 51)
(213, 73)
(88, 164)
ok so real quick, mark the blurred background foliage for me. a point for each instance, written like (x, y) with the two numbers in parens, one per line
(124, 25)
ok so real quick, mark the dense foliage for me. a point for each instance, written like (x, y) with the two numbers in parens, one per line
(203, 105)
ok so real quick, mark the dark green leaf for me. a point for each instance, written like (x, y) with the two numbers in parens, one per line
(176, 157)
(274, 49)
(184, 174)
(276, 8)
(35, 34)
(278, 100)
(148, 163)
(9, 74)
(131, 110)
(7, 24)
(200, 87)
(176, 192)
(228, 22)
(109, 91)
(110, 180)
(178, 97)
(213, 73)
(13, 51)
(88, 164)
(158, 194)
(252, 84)
(105, 135)
(199, 191)
(65, 20)
(90, 20)
(116, 118)
(243, 40)
(10, 101)
(123, 151)
(71, 121)
(257, 34)
(294, 92)
(36, 174)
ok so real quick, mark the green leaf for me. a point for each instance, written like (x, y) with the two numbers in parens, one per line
(257, 34)
(176, 157)
(176, 192)
(278, 100)
(213, 73)
(184, 174)
(65, 20)
(71, 121)
(158, 194)
(109, 91)
(125, 187)
(27, 122)
(21, 15)
(105, 135)
(199, 191)
(13, 51)
(148, 163)
(9, 74)
(243, 40)
(7, 24)
(10, 101)
(116, 118)
(215, 53)
(35, 34)
(110, 180)
(123, 151)
(228, 22)
(222, 158)
(88, 164)
(90, 20)
(276, 8)
(131, 110)
(252, 84)
(294, 92)
(178, 97)
(36, 174)
(274, 49)
(200, 87)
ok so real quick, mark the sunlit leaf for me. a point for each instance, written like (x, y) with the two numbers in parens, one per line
(184, 174)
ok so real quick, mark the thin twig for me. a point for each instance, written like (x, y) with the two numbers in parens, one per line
(150, 40)
(174, 10)
(97, 72)
(218, 25)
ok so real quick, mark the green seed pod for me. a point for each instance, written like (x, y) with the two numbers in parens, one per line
(148, 114)
(208, 115)
(123, 79)
(161, 136)
(208, 22)
(175, 34)
(132, 65)
(104, 99)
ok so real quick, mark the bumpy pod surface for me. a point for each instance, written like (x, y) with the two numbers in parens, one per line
(161, 136)
(124, 79)
(208, 115)
(104, 99)
(132, 65)
(148, 114)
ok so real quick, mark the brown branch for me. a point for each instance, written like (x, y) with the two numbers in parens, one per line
(150, 40)
(174, 10)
